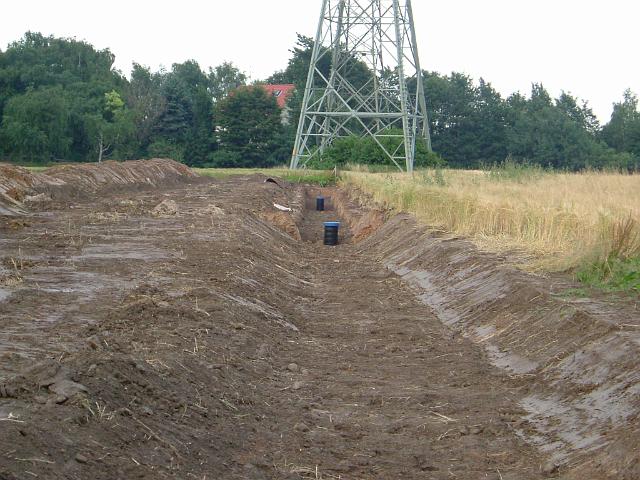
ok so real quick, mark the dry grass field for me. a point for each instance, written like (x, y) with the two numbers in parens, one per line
(560, 220)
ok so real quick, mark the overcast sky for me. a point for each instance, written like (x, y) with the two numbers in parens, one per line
(587, 48)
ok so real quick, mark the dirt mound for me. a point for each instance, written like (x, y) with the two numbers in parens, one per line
(19, 185)
(15, 183)
(166, 208)
(82, 179)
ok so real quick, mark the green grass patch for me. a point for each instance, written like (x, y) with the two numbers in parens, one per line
(321, 178)
(613, 275)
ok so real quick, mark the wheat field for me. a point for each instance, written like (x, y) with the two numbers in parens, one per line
(557, 220)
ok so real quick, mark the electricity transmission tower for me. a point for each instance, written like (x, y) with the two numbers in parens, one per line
(364, 79)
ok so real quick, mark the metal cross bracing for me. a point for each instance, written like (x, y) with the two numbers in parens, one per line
(364, 79)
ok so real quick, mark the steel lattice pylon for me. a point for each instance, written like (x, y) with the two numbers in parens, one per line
(364, 79)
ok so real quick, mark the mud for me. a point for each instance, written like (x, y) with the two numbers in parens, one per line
(222, 340)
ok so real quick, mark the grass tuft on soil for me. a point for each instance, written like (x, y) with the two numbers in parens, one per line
(613, 275)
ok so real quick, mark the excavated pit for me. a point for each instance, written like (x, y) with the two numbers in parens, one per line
(218, 338)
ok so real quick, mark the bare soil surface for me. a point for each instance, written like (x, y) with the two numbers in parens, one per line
(195, 331)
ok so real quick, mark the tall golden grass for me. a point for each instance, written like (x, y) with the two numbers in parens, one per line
(559, 220)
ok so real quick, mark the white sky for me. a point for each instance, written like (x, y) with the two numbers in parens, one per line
(586, 47)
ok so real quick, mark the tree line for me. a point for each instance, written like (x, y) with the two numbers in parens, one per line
(62, 100)
(472, 125)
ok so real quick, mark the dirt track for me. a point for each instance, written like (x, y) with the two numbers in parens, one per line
(210, 344)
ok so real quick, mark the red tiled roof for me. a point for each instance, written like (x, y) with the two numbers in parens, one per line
(281, 92)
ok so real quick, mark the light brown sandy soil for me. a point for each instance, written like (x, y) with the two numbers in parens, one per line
(210, 344)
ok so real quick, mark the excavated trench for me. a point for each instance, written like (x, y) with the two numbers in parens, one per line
(576, 361)
(223, 340)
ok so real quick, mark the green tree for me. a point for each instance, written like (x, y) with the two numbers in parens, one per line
(490, 126)
(623, 130)
(456, 118)
(581, 114)
(354, 70)
(36, 61)
(75, 74)
(35, 126)
(112, 130)
(186, 125)
(249, 125)
(297, 69)
(146, 102)
(550, 134)
(298, 65)
(225, 78)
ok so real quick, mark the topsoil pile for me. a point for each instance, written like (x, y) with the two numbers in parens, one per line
(15, 183)
(18, 184)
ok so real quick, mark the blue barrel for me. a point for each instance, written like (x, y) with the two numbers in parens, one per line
(320, 204)
(331, 233)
